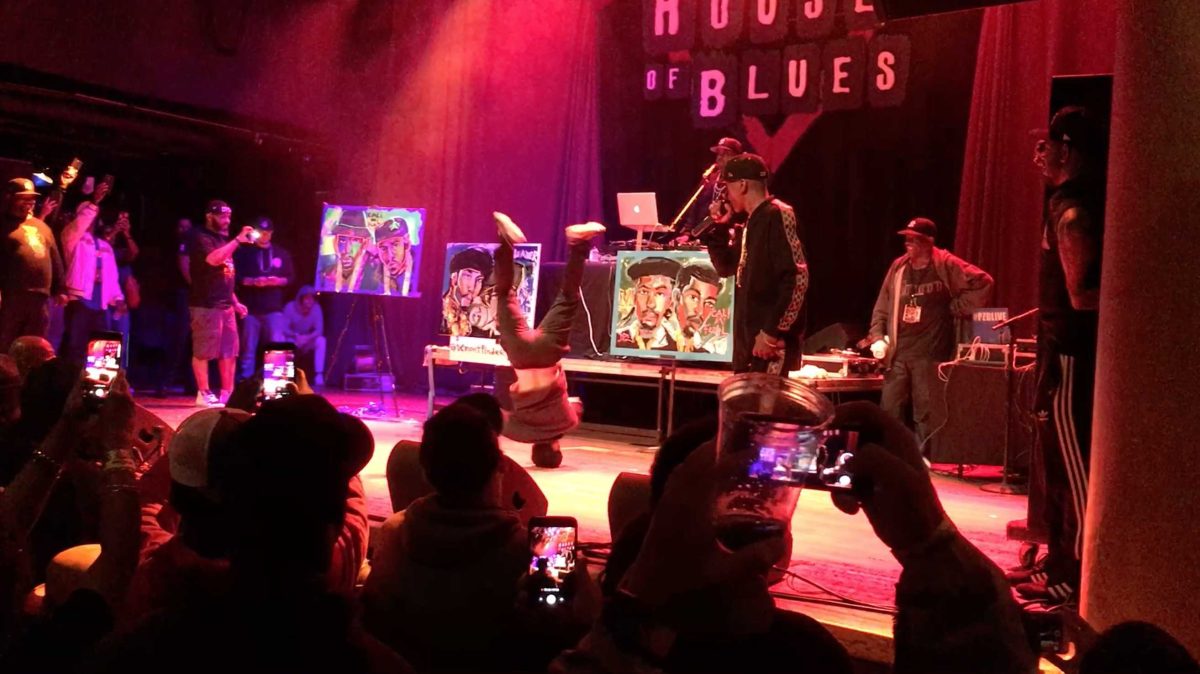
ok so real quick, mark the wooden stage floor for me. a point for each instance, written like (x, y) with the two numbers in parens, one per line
(835, 550)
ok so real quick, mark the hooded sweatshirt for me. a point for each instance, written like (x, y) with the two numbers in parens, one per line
(444, 580)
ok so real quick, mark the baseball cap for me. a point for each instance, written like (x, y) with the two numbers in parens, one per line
(192, 444)
(919, 227)
(217, 207)
(263, 224)
(746, 166)
(728, 144)
(1076, 126)
(20, 187)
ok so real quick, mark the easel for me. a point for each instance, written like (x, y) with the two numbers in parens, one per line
(383, 351)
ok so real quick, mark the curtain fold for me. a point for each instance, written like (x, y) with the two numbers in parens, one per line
(496, 109)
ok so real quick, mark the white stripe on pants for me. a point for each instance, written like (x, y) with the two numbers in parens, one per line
(1068, 443)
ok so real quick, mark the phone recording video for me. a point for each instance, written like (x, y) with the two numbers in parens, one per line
(815, 460)
(279, 369)
(552, 551)
(102, 364)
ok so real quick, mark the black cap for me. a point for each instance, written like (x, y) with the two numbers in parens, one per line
(920, 227)
(654, 266)
(263, 223)
(746, 167)
(76, 163)
(472, 258)
(1077, 127)
(20, 187)
(217, 207)
(732, 145)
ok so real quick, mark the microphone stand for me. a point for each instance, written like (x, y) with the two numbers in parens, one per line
(690, 202)
(1005, 487)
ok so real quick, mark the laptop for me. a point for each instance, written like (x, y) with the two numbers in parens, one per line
(637, 209)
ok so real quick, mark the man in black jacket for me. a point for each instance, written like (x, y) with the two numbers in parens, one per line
(767, 260)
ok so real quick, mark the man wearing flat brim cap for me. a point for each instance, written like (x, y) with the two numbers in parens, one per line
(926, 298)
(649, 324)
(766, 259)
(31, 268)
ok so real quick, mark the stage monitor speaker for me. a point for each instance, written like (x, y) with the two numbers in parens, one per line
(406, 482)
(971, 409)
(628, 498)
(888, 10)
(836, 336)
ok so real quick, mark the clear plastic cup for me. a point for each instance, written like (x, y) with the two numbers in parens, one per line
(771, 429)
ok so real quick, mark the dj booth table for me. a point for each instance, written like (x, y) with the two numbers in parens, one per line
(666, 375)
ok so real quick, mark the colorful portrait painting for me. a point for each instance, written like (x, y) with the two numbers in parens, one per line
(375, 251)
(671, 303)
(469, 287)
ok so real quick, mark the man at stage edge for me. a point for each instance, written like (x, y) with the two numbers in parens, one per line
(262, 271)
(1073, 164)
(767, 261)
(913, 325)
(649, 325)
(541, 412)
(31, 269)
(304, 326)
(213, 306)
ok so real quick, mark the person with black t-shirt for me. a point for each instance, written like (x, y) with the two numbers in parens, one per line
(767, 260)
(213, 306)
(913, 325)
(1072, 161)
(31, 269)
(263, 271)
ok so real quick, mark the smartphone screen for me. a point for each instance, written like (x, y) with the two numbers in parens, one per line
(279, 369)
(816, 460)
(552, 559)
(102, 364)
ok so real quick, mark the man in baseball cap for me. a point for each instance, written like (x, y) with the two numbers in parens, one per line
(925, 293)
(767, 260)
(31, 268)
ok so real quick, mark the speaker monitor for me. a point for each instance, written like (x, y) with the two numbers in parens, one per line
(406, 482)
(888, 10)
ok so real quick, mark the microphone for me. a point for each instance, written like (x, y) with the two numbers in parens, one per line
(709, 171)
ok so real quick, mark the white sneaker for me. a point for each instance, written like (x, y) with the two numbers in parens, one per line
(508, 230)
(206, 399)
(224, 397)
(584, 232)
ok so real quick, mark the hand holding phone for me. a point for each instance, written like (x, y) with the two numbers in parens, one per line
(278, 370)
(101, 366)
(552, 550)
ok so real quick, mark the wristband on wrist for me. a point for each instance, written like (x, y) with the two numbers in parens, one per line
(943, 533)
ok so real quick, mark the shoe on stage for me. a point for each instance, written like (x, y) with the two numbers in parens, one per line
(584, 232)
(508, 230)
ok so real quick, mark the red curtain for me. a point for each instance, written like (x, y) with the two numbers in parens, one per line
(494, 107)
(1020, 48)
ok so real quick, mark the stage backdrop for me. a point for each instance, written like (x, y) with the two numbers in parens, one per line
(875, 140)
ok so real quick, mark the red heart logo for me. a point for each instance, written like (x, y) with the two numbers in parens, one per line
(774, 149)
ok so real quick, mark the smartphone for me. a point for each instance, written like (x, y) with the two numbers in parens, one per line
(102, 364)
(278, 369)
(255, 235)
(809, 459)
(552, 549)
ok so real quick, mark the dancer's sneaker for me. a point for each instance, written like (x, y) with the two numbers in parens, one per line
(584, 232)
(206, 399)
(508, 230)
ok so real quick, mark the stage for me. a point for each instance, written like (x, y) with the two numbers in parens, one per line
(837, 551)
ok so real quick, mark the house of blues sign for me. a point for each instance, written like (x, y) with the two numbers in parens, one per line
(767, 57)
